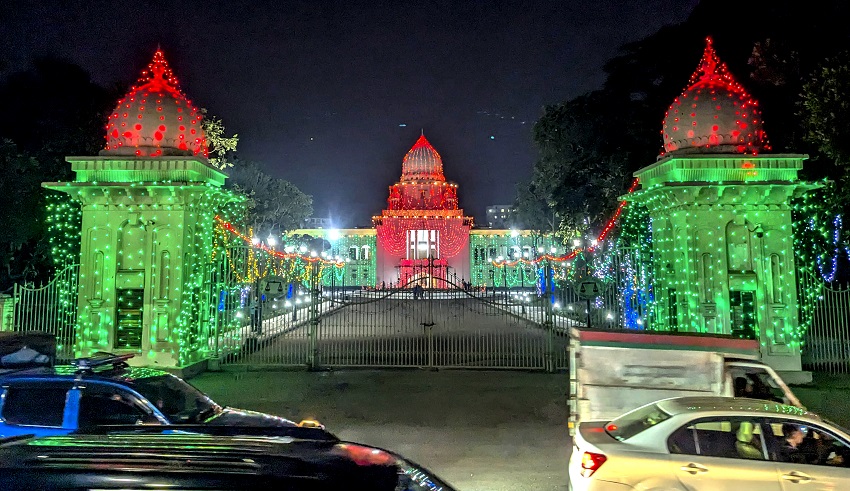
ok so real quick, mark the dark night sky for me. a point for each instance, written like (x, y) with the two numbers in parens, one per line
(318, 90)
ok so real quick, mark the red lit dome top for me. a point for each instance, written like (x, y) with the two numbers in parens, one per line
(422, 162)
(714, 114)
(155, 118)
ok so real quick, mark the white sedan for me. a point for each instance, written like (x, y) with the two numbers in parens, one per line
(711, 443)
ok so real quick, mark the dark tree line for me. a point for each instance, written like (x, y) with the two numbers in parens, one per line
(274, 205)
(791, 56)
(47, 113)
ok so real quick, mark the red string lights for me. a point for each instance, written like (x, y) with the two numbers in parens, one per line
(155, 118)
(227, 226)
(422, 161)
(715, 112)
(612, 222)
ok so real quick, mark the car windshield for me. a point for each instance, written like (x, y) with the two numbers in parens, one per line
(634, 422)
(178, 401)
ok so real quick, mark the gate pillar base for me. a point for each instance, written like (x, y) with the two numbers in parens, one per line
(7, 312)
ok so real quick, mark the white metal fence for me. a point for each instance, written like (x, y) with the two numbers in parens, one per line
(395, 328)
(456, 327)
(826, 345)
(51, 308)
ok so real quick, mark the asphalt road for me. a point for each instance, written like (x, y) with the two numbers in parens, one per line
(479, 430)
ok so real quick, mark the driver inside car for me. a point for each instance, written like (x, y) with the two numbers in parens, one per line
(822, 448)
(790, 450)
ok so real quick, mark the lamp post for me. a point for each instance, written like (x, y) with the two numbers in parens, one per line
(504, 265)
(258, 297)
(313, 330)
(493, 281)
(505, 277)
(332, 236)
(344, 271)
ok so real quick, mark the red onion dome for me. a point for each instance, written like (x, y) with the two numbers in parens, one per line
(422, 162)
(714, 114)
(155, 118)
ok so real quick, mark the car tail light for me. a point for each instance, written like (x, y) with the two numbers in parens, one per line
(591, 462)
(365, 455)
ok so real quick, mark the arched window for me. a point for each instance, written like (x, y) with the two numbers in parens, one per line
(131, 247)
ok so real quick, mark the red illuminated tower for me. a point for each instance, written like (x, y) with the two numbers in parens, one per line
(423, 237)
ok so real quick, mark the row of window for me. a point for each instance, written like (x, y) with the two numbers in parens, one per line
(357, 253)
(481, 254)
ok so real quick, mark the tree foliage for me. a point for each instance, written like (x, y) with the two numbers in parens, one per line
(533, 211)
(48, 112)
(221, 147)
(826, 108)
(274, 205)
(577, 174)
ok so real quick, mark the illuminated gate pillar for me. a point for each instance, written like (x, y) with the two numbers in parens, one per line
(148, 205)
(723, 250)
(721, 220)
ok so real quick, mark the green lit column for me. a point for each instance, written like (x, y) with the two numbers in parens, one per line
(146, 247)
(723, 248)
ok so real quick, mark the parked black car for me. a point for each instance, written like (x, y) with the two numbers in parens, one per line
(182, 461)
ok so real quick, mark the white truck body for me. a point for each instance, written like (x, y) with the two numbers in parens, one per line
(612, 372)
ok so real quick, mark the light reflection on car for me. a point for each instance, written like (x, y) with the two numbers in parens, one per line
(134, 460)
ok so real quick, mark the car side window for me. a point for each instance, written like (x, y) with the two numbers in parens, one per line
(733, 438)
(797, 442)
(103, 407)
(34, 405)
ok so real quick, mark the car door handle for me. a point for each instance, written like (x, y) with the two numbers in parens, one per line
(796, 477)
(693, 469)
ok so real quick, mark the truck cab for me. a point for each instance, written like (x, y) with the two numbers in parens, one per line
(755, 380)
